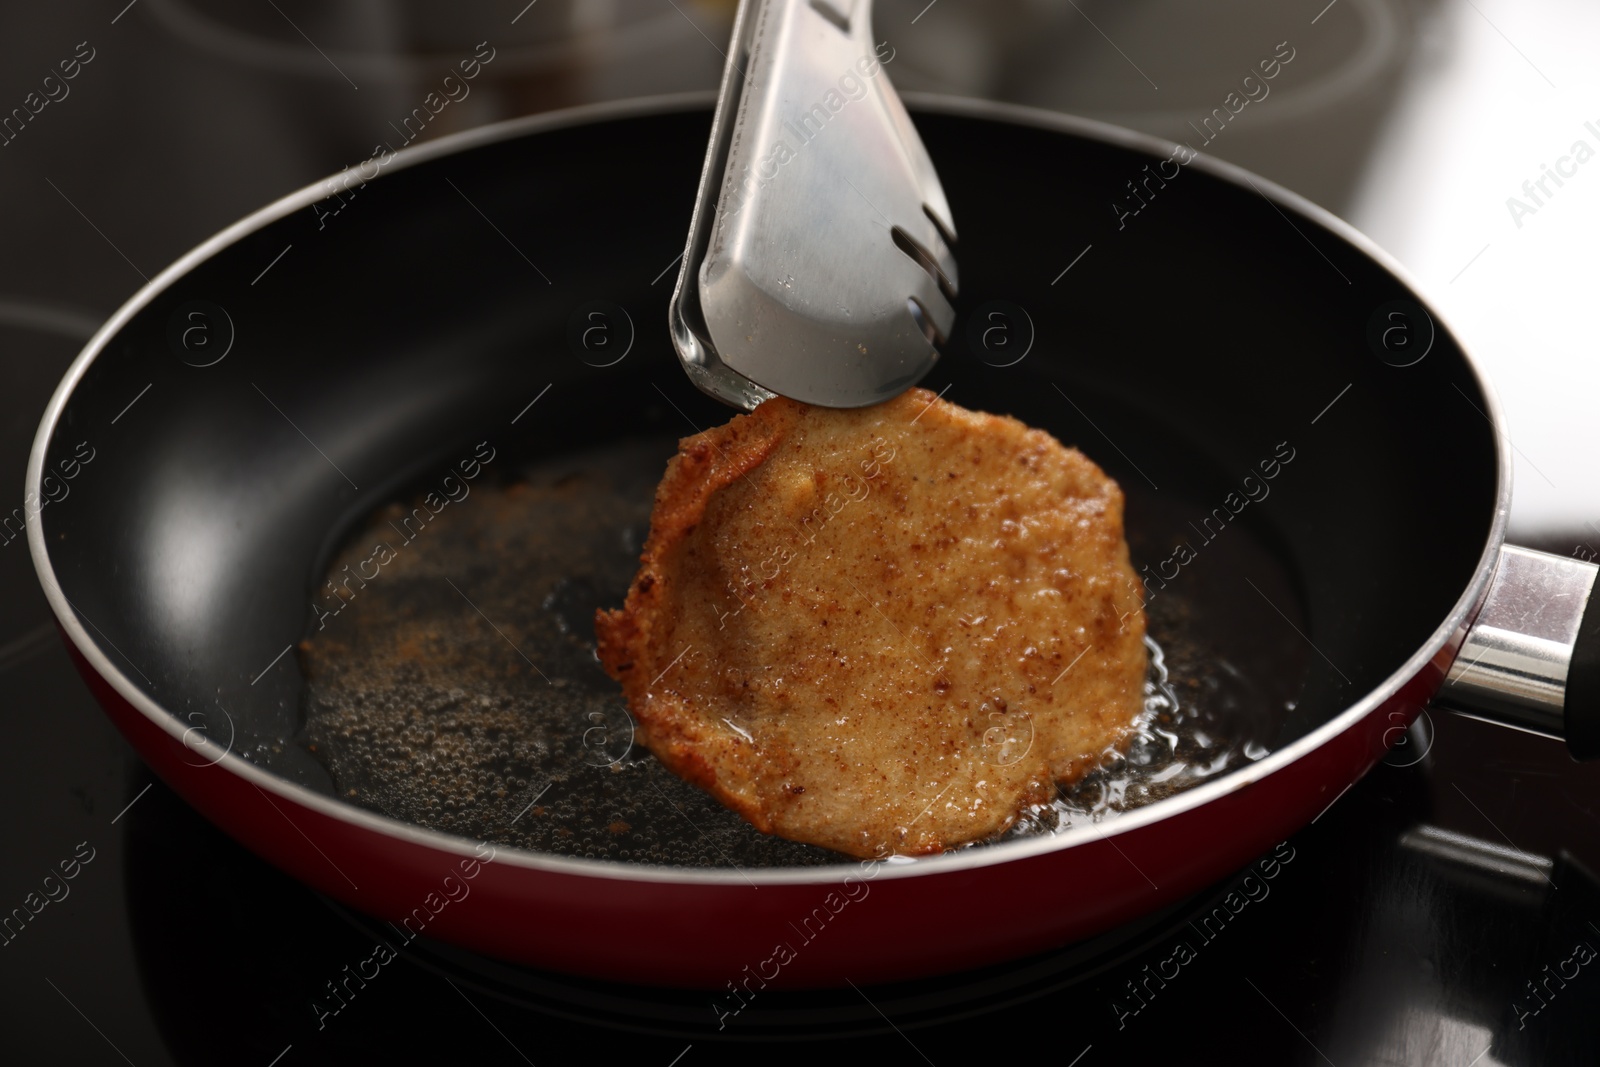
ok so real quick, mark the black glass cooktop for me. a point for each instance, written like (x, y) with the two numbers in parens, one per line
(1443, 909)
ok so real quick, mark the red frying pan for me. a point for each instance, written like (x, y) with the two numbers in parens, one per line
(228, 430)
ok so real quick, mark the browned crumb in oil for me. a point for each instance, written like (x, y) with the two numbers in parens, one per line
(458, 689)
(459, 685)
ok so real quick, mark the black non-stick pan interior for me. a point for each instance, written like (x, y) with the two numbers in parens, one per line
(1186, 346)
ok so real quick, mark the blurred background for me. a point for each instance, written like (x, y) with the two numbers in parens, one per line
(1435, 126)
(1415, 120)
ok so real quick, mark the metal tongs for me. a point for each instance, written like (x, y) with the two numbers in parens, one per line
(819, 264)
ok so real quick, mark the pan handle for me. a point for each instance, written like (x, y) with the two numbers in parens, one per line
(1531, 659)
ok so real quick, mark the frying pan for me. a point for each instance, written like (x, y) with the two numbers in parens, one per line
(188, 491)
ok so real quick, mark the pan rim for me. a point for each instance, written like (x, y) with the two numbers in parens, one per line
(1453, 625)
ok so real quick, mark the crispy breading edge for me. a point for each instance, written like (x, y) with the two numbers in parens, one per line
(626, 641)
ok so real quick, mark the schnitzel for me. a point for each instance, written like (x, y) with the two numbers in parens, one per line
(880, 630)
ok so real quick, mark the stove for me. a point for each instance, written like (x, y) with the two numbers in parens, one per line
(1445, 910)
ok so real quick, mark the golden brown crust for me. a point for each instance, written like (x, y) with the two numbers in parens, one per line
(886, 629)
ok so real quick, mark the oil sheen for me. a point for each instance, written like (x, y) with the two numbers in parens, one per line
(459, 690)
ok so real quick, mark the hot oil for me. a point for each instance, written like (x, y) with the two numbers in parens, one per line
(1226, 662)
(459, 690)
(1176, 743)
